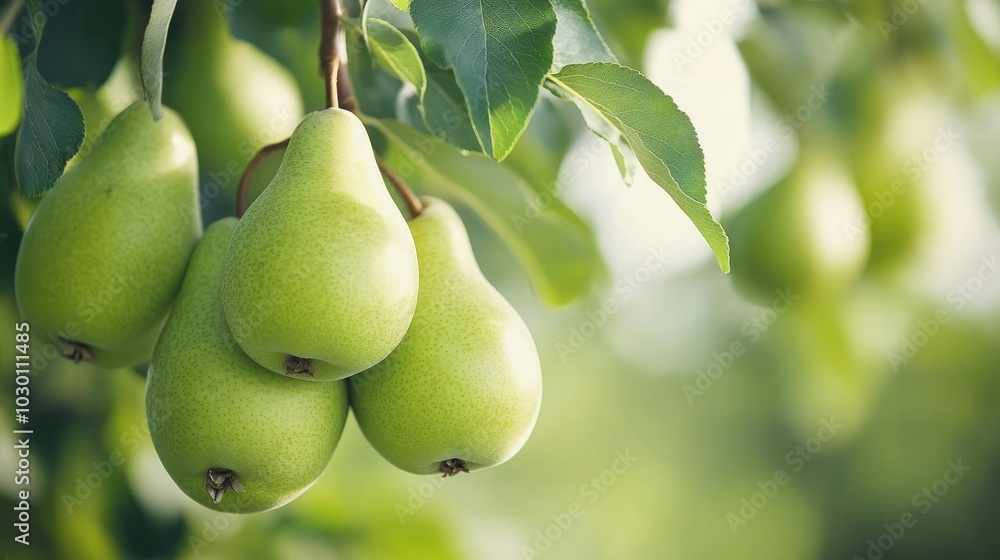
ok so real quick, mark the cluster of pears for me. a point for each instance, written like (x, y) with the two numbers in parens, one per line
(320, 299)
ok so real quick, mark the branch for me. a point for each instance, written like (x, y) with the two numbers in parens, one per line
(339, 80)
(329, 58)
(241, 192)
(412, 202)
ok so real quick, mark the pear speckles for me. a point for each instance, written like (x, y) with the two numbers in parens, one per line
(219, 421)
(104, 253)
(341, 285)
(462, 390)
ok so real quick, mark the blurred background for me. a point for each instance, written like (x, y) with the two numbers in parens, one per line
(834, 397)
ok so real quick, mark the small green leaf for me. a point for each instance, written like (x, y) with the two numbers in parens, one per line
(51, 132)
(625, 108)
(500, 51)
(153, 43)
(555, 247)
(375, 90)
(12, 92)
(394, 52)
(401, 4)
(577, 39)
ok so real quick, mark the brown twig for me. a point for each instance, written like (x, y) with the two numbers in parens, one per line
(241, 190)
(329, 58)
(412, 202)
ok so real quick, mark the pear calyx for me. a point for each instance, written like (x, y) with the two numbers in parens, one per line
(299, 366)
(76, 351)
(218, 480)
(451, 467)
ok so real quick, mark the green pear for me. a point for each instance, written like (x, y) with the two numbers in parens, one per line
(104, 253)
(12, 92)
(221, 423)
(234, 97)
(796, 237)
(100, 106)
(320, 280)
(462, 390)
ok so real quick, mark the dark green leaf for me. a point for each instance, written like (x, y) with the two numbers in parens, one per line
(445, 111)
(154, 41)
(82, 42)
(624, 107)
(555, 247)
(577, 40)
(500, 51)
(51, 132)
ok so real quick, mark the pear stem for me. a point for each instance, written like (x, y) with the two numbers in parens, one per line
(241, 190)
(341, 82)
(412, 202)
(329, 57)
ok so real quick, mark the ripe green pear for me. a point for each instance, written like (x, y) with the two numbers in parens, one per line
(234, 97)
(104, 253)
(320, 280)
(462, 390)
(233, 435)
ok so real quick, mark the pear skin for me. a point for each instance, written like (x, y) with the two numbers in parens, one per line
(104, 253)
(462, 390)
(235, 98)
(320, 280)
(233, 436)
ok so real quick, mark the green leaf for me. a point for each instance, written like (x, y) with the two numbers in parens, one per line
(625, 108)
(401, 4)
(375, 90)
(151, 62)
(444, 111)
(51, 132)
(500, 51)
(12, 93)
(555, 247)
(394, 52)
(577, 39)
